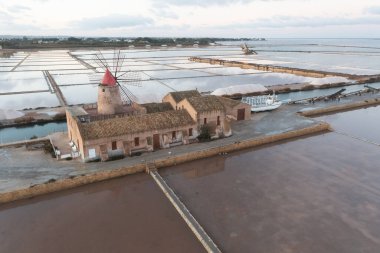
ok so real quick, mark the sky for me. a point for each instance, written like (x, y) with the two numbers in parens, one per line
(192, 18)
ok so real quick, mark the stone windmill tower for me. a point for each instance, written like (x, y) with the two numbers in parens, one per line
(113, 95)
(109, 97)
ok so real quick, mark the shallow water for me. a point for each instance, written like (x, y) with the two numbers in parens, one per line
(318, 194)
(11, 134)
(123, 215)
(365, 126)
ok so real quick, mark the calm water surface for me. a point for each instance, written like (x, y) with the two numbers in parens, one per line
(124, 215)
(319, 194)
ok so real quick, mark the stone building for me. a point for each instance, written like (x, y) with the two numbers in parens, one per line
(113, 129)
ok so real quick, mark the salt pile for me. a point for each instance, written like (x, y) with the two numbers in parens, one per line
(239, 89)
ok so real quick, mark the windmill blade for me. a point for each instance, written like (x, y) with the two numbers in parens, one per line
(100, 62)
(114, 62)
(103, 59)
(126, 95)
(131, 78)
(121, 60)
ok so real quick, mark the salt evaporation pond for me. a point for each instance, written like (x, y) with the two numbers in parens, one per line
(130, 214)
(18, 82)
(366, 125)
(28, 101)
(22, 133)
(352, 56)
(311, 195)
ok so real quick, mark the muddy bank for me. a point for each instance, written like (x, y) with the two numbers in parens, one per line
(14, 118)
(75, 181)
(124, 215)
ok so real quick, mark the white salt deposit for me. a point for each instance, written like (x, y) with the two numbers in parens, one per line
(10, 114)
(336, 79)
(242, 89)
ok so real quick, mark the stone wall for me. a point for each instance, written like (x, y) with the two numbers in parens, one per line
(109, 100)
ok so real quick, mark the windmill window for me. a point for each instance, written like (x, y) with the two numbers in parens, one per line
(104, 90)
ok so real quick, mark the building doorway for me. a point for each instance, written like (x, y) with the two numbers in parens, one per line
(241, 114)
(156, 142)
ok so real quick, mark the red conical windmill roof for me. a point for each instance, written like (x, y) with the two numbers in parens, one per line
(108, 79)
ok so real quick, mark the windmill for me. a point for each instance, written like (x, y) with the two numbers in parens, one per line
(247, 50)
(113, 93)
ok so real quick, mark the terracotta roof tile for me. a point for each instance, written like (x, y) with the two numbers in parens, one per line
(135, 124)
(206, 103)
(157, 107)
(178, 96)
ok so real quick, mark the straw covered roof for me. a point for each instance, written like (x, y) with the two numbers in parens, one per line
(135, 124)
(181, 95)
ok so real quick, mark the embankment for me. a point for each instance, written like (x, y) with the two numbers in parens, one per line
(53, 186)
(287, 70)
(341, 108)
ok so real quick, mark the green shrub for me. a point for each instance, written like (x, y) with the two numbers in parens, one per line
(204, 133)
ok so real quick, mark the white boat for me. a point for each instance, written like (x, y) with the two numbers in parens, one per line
(262, 103)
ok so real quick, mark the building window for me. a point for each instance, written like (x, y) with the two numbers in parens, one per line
(218, 121)
(104, 90)
(137, 141)
(205, 121)
(174, 135)
(114, 145)
(190, 132)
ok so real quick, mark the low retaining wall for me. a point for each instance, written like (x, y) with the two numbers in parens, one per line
(68, 183)
(160, 163)
(341, 108)
(23, 143)
(240, 145)
(287, 70)
(271, 68)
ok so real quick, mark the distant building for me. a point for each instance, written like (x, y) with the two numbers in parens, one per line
(113, 129)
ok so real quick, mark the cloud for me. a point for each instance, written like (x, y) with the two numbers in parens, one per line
(112, 21)
(200, 2)
(374, 10)
(18, 8)
(290, 21)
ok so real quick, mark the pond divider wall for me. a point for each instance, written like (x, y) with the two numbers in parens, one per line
(341, 108)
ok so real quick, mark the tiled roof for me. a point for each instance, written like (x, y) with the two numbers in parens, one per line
(227, 102)
(157, 107)
(181, 95)
(206, 103)
(135, 124)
